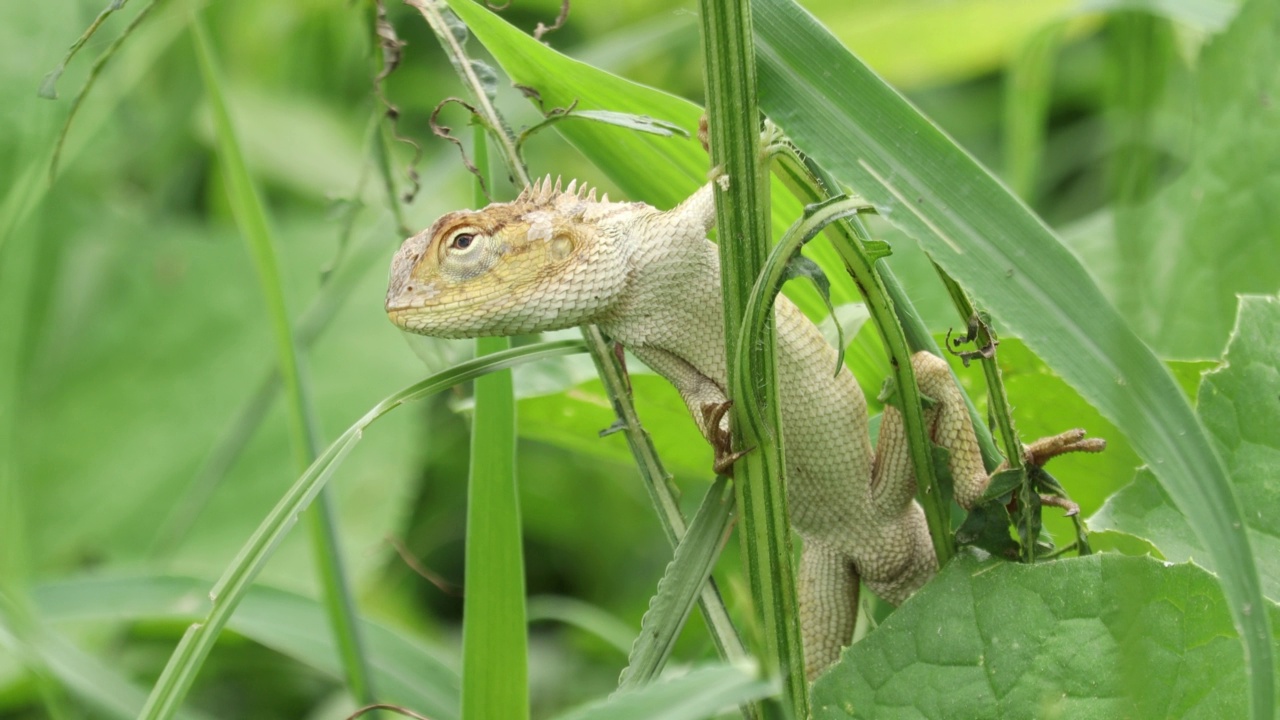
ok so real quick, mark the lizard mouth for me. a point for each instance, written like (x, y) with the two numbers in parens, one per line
(405, 297)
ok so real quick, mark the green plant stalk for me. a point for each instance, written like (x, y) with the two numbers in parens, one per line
(251, 217)
(850, 236)
(94, 71)
(1002, 413)
(495, 643)
(183, 666)
(919, 338)
(381, 143)
(742, 215)
(657, 480)
(808, 181)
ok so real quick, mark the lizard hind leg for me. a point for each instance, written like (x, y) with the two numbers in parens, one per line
(828, 605)
(893, 479)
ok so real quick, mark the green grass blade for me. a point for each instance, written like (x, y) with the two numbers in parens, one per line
(871, 138)
(495, 642)
(584, 616)
(184, 664)
(680, 587)
(700, 694)
(495, 647)
(49, 86)
(50, 656)
(251, 218)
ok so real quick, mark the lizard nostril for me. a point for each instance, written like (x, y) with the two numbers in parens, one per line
(408, 288)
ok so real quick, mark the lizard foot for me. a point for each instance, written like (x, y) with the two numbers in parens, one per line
(718, 434)
(1045, 449)
(1060, 502)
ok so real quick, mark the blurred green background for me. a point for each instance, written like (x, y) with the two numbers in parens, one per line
(133, 331)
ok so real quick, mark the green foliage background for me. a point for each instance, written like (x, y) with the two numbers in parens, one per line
(132, 332)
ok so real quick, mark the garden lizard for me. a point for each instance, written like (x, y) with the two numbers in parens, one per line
(650, 279)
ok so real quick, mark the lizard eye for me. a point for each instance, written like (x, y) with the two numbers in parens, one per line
(461, 241)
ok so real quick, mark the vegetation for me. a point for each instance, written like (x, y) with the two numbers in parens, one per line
(194, 356)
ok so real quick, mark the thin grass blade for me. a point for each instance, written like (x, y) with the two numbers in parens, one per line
(700, 694)
(495, 643)
(680, 586)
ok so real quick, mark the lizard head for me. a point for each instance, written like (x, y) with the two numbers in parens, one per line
(541, 262)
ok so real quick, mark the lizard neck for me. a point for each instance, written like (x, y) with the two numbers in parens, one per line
(672, 298)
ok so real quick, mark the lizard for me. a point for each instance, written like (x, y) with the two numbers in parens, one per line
(556, 258)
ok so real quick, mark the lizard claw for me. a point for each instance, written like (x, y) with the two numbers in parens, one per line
(721, 440)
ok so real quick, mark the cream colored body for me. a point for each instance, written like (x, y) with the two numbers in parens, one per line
(650, 280)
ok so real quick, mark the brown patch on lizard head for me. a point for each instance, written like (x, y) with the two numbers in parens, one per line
(510, 268)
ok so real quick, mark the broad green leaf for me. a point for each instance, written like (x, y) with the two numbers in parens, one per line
(701, 693)
(574, 419)
(1238, 405)
(406, 670)
(1103, 636)
(866, 134)
(1186, 252)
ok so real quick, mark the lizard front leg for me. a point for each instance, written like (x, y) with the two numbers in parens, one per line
(705, 399)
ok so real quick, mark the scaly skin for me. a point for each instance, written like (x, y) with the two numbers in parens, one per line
(650, 279)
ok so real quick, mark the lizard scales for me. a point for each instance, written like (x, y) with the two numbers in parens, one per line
(650, 279)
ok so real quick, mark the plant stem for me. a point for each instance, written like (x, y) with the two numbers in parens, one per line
(742, 215)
